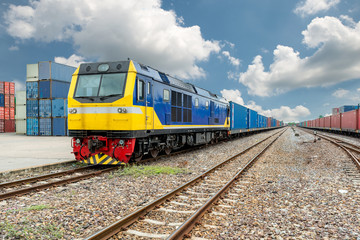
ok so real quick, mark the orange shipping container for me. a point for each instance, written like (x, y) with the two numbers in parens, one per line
(7, 113)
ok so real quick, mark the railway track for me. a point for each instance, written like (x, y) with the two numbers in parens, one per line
(173, 215)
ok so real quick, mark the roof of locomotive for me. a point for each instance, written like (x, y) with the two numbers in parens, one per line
(123, 66)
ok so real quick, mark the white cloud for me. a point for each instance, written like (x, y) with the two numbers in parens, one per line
(358, 89)
(73, 60)
(19, 85)
(311, 7)
(340, 93)
(115, 30)
(234, 61)
(284, 113)
(14, 48)
(335, 60)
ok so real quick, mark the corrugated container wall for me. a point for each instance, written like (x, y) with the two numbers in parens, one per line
(20, 98)
(347, 108)
(32, 126)
(45, 127)
(59, 126)
(32, 90)
(59, 107)
(348, 120)
(55, 71)
(53, 89)
(32, 72)
(20, 117)
(238, 117)
(44, 108)
(252, 116)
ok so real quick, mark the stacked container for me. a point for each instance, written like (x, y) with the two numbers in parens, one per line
(7, 107)
(47, 87)
(20, 117)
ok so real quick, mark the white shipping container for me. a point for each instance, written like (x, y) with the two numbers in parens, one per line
(20, 126)
(32, 72)
(20, 112)
(20, 97)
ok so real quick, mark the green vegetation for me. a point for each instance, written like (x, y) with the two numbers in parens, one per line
(26, 230)
(37, 207)
(137, 171)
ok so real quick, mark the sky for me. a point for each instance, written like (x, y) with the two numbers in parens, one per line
(292, 60)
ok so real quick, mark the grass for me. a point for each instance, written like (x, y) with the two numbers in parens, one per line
(138, 171)
(37, 207)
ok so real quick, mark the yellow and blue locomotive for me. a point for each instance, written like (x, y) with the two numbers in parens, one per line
(120, 111)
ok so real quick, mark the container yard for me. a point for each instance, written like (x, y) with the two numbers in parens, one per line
(7, 107)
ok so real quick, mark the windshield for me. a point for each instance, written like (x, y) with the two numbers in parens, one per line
(100, 85)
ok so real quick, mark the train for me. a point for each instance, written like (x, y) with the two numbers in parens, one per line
(120, 111)
(347, 123)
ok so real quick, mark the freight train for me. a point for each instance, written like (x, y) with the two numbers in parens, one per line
(343, 122)
(120, 111)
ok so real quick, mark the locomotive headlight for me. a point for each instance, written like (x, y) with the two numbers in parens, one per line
(122, 110)
(72, 110)
(121, 142)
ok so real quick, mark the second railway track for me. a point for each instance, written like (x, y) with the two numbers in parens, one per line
(173, 215)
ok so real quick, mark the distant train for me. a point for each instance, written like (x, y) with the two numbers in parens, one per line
(345, 122)
(120, 111)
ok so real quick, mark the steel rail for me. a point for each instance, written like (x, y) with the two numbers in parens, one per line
(121, 224)
(187, 226)
(47, 185)
(42, 177)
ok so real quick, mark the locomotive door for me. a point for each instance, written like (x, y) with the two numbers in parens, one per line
(149, 106)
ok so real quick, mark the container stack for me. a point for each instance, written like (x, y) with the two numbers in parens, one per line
(20, 116)
(7, 107)
(47, 87)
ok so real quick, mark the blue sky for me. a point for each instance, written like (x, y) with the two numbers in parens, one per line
(293, 60)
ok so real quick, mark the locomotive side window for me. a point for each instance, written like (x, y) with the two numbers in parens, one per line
(166, 95)
(141, 90)
(207, 104)
(148, 88)
(196, 102)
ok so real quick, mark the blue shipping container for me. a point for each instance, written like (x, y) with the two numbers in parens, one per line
(45, 108)
(56, 71)
(59, 107)
(2, 100)
(59, 127)
(32, 89)
(273, 122)
(238, 117)
(262, 120)
(32, 108)
(53, 89)
(253, 119)
(45, 127)
(347, 108)
(32, 126)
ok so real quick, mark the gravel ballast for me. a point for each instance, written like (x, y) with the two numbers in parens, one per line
(302, 200)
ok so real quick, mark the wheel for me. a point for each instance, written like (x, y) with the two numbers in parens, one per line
(154, 153)
(138, 157)
(167, 150)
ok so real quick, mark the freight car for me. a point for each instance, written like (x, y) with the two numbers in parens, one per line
(120, 111)
(347, 122)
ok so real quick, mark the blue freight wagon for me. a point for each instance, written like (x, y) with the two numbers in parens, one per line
(252, 119)
(238, 118)
(262, 121)
(53, 89)
(55, 71)
(273, 122)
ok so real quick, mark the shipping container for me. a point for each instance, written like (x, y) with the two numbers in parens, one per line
(45, 127)
(20, 126)
(336, 121)
(6, 100)
(9, 126)
(2, 113)
(2, 125)
(12, 88)
(53, 89)
(322, 122)
(12, 113)
(252, 119)
(335, 111)
(20, 112)
(12, 101)
(2, 90)
(6, 88)
(59, 107)
(32, 126)
(32, 72)
(238, 117)
(327, 122)
(32, 108)
(45, 108)
(2, 100)
(347, 108)
(20, 98)
(349, 120)
(55, 71)
(269, 122)
(7, 113)
(32, 90)
(59, 126)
